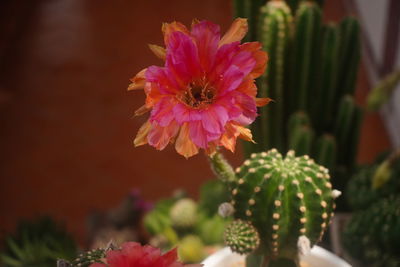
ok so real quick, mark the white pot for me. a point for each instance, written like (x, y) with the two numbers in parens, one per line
(318, 257)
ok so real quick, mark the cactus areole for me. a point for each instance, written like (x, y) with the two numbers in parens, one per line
(288, 201)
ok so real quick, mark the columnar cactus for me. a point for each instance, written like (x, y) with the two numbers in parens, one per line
(289, 201)
(274, 32)
(312, 67)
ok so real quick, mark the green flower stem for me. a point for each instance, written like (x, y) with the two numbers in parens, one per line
(221, 167)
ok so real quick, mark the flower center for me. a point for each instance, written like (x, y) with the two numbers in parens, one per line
(198, 96)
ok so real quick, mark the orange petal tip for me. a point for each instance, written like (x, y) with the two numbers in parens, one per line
(260, 102)
(159, 51)
(236, 32)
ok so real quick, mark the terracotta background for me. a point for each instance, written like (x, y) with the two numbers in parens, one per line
(66, 117)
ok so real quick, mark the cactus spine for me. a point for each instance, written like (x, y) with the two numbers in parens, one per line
(288, 201)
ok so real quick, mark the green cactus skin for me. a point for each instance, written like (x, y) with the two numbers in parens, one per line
(325, 151)
(184, 213)
(284, 199)
(359, 191)
(350, 153)
(362, 190)
(212, 194)
(343, 122)
(349, 56)
(347, 121)
(238, 9)
(241, 237)
(299, 118)
(248, 9)
(293, 4)
(305, 46)
(274, 33)
(323, 107)
(373, 234)
(211, 230)
(301, 139)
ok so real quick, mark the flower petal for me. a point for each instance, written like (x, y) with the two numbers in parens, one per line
(153, 94)
(138, 82)
(159, 51)
(184, 144)
(228, 139)
(260, 102)
(169, 28)
(159, 136)
(212, 148)
(244, 133)
(248, 107)
(162, 112)
(183, 58)
(206, 36)
(227, 101)
(141, 137)
(183, 113)
(244, 61)
(259, 56)
(223, 59)
(197, 134)
(248, 87)
(214, 119)
(142, 110)
(230, 80)
(236, 32)
(164, 79)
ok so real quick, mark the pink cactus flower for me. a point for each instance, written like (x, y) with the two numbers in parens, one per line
(134, 255)
(205, 94)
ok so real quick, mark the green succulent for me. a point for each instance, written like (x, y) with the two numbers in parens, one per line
(38, 243)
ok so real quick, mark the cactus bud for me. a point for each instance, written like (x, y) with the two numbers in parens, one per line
(241, 237)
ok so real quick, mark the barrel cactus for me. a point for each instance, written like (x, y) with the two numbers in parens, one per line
(184, 213)
(373, 235)
(286, 202)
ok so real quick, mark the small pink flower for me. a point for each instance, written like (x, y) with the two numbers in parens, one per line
(205, 94)
(134, 255)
